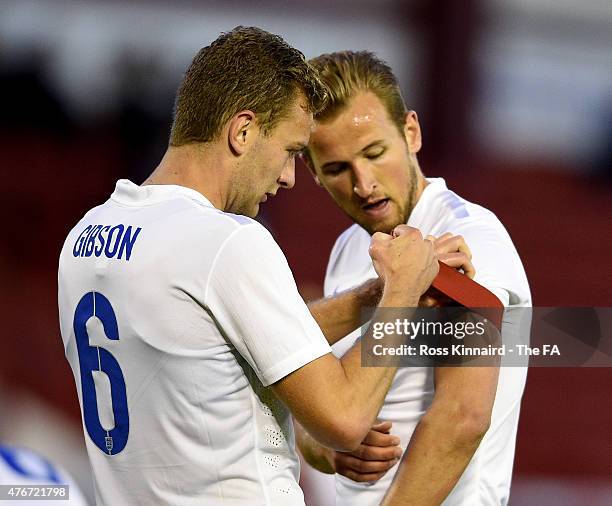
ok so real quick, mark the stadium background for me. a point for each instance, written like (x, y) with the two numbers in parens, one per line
(515, 102)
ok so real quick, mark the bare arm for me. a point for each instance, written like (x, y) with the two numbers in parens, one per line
(313, 452)
(340, 315)
(378, 451)
(449, 433)
(447, 436)
(337, 401)
(376, 454)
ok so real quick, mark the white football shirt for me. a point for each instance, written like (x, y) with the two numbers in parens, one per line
(175, 319)
(486, 481)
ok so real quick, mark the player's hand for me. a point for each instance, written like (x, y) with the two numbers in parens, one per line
(404, 261)
(378, 453)
(454, 252)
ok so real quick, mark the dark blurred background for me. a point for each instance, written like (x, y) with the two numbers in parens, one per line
(515, 103)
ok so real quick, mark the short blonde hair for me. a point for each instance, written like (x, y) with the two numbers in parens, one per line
(246, 68)
(346, 73)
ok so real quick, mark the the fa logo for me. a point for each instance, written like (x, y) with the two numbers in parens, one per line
(109, 443)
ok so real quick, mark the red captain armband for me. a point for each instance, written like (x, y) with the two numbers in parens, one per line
(468, 293)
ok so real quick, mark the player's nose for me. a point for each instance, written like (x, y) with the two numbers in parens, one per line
(287, 177)
(364, 181)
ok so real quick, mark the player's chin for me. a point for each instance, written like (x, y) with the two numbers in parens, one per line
(372, 226)
(250, 210)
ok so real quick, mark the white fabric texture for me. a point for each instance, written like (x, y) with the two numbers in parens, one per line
(208, 316)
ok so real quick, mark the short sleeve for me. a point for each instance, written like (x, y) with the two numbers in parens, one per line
(253, 297)
(498, 266)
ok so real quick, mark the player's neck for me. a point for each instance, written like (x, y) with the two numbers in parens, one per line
(421, 184)
(417, 189)
(197, 167)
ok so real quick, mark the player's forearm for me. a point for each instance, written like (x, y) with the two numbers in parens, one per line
(341, 399)
(313, 452)
(440, 449)
(341, 314)
(349, 397)
(365, 388)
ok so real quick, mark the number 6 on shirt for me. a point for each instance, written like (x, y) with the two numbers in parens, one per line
(94, 358)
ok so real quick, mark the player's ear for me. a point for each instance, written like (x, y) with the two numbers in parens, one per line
(242, 131)
(412, 132)
(306, 160)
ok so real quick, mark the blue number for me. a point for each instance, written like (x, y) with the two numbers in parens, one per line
(94, 358)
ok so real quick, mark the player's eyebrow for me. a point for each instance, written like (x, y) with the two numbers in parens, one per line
(378, 142)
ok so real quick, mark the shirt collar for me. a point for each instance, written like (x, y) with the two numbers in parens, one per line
(436, 186)
(129, 193)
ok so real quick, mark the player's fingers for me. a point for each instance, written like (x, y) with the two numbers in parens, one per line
(346, 461)
(379, 244)
(380, 237)
(352, 475)
(459, 261)
(463, 247)
(469, 270)
(376, 438)
(384, 426)
(370, 452)
(406, 230)
(455, 259)
(378, 241)
(442, 238)
(377, 453)
(452, 244)
(386, 453)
